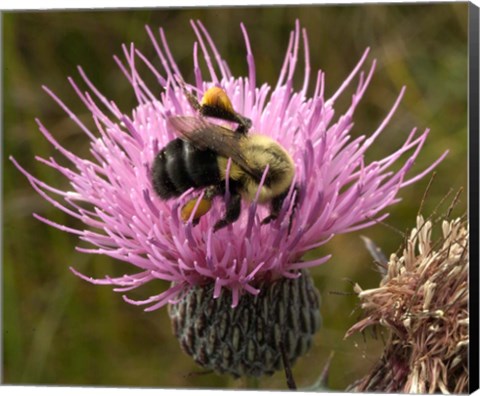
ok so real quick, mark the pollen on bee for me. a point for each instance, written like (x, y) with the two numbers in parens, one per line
(203, 207)
(217, 97)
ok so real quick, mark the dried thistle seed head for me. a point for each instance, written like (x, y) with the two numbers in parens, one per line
(423, 301)
(244, 341)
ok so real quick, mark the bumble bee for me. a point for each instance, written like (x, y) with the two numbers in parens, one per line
(199, 158)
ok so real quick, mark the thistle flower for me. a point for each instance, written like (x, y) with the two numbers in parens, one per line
(112, 194)
(423, 301)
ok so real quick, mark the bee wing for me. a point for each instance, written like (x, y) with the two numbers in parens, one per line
(205, 135)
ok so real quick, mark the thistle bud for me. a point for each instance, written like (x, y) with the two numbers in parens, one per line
(247, 340)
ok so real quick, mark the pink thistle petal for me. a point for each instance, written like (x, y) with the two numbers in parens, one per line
(206, 55)
(308, 264)
(349, 78)
(250, 62)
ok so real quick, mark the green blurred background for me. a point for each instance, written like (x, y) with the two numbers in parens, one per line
(58, 329)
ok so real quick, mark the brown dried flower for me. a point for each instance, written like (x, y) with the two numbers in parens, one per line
(423, 302)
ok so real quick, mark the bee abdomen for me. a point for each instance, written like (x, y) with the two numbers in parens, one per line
(180, 166)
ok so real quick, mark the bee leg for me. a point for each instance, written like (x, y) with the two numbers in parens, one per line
(276, 206)
(210, 193)
(244, 123)
(213, 191)
(192, 100)
(234, 206)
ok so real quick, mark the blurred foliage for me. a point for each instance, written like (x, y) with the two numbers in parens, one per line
(58, 329)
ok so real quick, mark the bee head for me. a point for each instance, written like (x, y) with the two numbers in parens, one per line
(217, 98)
(216, 103)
